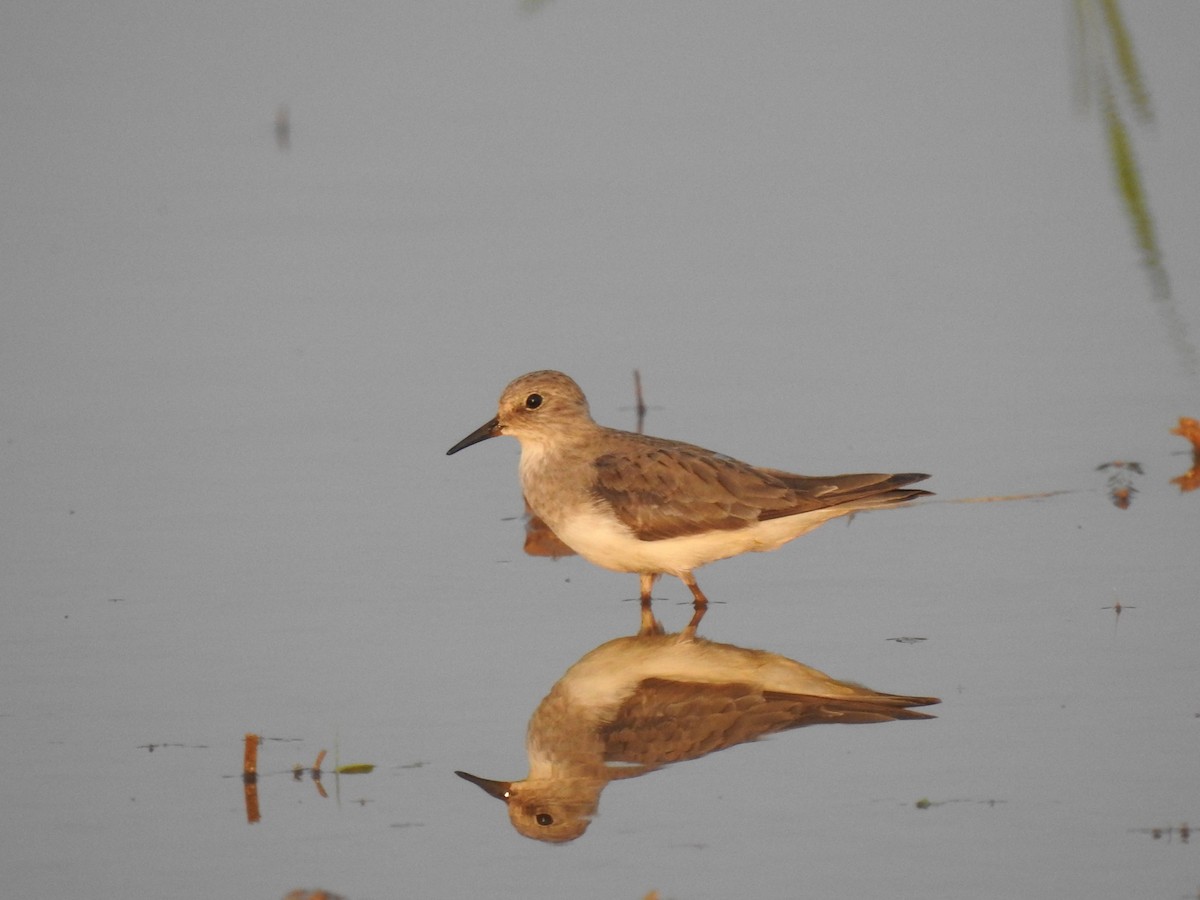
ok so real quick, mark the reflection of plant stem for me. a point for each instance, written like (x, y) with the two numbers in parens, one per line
(1127, 60)
(1129, 181)
(1101, 37)
(1096, 20)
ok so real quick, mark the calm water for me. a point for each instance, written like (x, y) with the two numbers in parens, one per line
(831, 237)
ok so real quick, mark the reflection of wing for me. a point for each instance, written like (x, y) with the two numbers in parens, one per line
(668, 721)
(662, 491)
(540, 540)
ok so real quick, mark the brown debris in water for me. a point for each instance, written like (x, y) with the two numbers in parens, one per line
(250, 778)
(1120, 481)
(250, 757)
(1189, 429)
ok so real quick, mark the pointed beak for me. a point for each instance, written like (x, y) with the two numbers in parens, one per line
(498, 789)
(482, 433)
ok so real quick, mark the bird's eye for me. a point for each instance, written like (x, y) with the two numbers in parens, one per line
(533, 401)
(544, 819)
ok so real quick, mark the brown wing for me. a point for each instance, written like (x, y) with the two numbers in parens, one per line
(860, 491)
(669, 721)
(663, 490)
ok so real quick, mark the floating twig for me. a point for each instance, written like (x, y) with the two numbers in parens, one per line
(1001, 498)
(250, 757)
(250, 778)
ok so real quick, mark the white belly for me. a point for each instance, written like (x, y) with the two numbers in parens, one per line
(603, 540)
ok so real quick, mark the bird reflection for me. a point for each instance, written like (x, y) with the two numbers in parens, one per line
(636, 703)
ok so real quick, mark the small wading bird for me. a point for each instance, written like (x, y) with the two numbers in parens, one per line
(634, 704)
(634, 503)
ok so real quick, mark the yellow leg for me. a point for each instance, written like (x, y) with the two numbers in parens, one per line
(649, 624)
(699, 607)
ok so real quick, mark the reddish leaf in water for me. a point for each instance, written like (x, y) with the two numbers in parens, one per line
(1190, 429)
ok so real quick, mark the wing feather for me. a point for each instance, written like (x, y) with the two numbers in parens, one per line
(669, 721)
(662, 489)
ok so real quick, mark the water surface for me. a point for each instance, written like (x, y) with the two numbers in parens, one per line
(832, 238)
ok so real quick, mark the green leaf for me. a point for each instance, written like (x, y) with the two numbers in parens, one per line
(355, 769)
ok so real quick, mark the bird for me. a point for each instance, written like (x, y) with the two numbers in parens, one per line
(637, 703)
(652, 506)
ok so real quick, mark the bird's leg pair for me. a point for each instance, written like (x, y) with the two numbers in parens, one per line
(650, 625)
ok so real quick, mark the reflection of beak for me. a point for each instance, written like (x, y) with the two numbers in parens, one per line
(482, 433)
(498, 789)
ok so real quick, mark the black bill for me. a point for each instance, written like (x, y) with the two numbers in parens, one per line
(487, 430)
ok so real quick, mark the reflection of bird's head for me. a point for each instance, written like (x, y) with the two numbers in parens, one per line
(556, 811)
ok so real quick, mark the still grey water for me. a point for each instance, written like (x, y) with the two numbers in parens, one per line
(832, 237)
